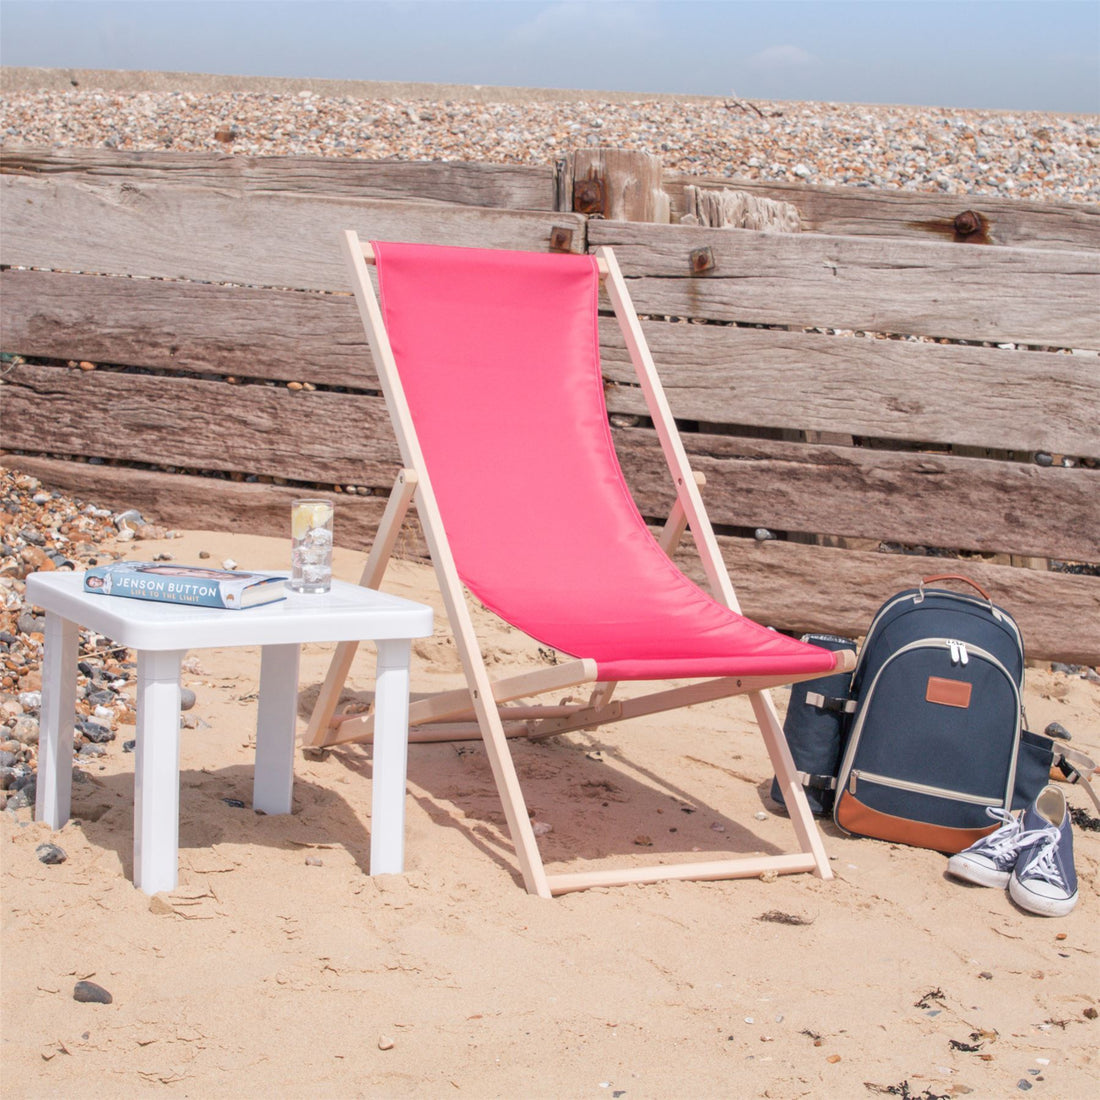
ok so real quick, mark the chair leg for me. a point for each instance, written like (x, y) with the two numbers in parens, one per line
(320, 720)
(511, 795)
(809, 836)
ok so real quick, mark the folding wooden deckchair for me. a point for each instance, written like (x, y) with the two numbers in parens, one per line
(490, 365)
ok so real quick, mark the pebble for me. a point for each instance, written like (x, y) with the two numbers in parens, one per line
(187, 698)
(25, 730)
(68, 533)
(1019, 154)
(91, 993)
(131, 520)
(385, 1042)
(50, 853)
(95, 733)
(20, 800)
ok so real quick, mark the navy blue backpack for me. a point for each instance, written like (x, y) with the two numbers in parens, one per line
(929, 732)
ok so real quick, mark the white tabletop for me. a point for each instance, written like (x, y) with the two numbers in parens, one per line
(348, 612)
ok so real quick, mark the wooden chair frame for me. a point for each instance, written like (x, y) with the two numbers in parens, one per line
(447, 715)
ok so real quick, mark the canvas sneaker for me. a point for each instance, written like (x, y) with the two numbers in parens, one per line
(1044, 880)
(989, 861)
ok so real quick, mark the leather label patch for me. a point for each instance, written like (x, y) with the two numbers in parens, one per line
(949, 693)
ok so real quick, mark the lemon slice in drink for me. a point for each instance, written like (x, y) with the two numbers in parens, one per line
(304, 517)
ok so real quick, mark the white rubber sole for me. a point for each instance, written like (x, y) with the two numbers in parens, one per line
(969, 871)
(1037, 903)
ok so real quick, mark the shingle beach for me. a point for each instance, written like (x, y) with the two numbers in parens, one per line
(1028, 155)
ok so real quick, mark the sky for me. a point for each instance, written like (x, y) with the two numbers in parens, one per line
(989, 54)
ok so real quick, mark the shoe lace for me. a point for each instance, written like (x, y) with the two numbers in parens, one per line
(1005, 841)
(1042, 864)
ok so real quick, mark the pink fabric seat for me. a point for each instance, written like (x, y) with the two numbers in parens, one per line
(498, 354)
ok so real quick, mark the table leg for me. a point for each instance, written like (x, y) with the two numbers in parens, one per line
(157, 771)
(273, 784)
(391, 745)
(55, 740)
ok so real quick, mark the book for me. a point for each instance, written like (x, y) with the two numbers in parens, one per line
(195, 585)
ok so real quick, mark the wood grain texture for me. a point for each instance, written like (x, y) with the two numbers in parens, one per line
(502, 186)
(253, 238)
(876, 285)
(249, 332)
(857, 211)
(913, 498)
(721, 374)
(885, 389)
(254, 429)
(842, 211)
(801, 588)
(934, 500)
(618, 183)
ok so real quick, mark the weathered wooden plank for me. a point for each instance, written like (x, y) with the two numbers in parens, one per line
(845, 211)
(887, 389)
(250, 332)
(212, 503)
(503, 186)
(884, 389)
(917, 499)
(316, 436)
(787, 585)
(255, 238)
(801, 588)
(809, 280)
(911, 498)
(857, 211)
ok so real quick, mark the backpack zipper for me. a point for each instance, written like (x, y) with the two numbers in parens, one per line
(919, 788)
(934, 643)
(1002, 617)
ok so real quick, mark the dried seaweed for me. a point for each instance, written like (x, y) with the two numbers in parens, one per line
(967, 1048)
(904, 1091)
(1082, 820)
(777, 916)
(936, 994)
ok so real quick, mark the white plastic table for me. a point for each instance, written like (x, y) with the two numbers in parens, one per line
(161, 633)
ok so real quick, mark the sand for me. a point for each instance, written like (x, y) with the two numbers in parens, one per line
(279, 967)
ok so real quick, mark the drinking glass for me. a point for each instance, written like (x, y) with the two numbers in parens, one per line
(310, 546)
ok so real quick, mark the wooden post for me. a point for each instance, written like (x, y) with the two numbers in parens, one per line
(739, 210)
(619, 184)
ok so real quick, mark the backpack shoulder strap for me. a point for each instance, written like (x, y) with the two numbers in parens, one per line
(1077, 768)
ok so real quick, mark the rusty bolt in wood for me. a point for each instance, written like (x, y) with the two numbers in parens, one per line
(588, 196)
(702, 259)
(561, 239)
(968, 223)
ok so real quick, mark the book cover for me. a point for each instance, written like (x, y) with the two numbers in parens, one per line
(195, 585)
